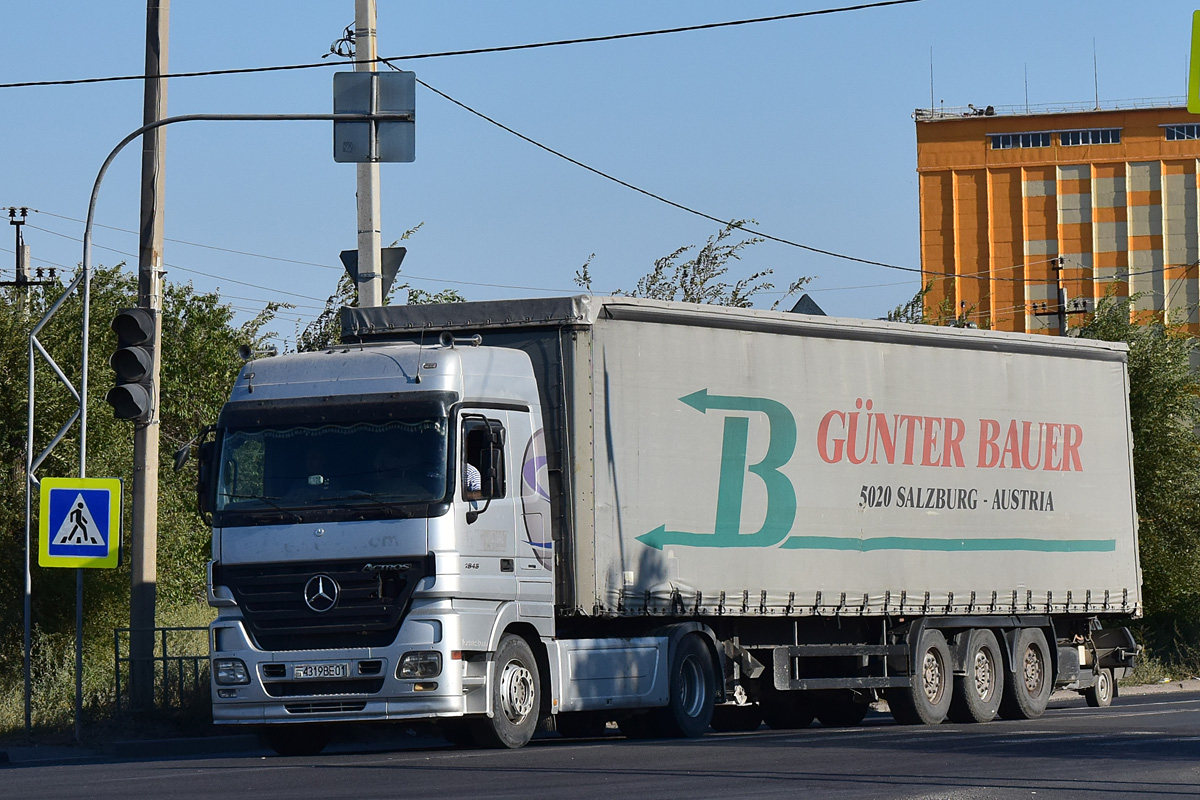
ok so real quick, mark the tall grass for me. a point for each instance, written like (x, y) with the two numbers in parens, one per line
(52, 680)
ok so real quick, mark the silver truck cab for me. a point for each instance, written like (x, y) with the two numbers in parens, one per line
(357, 573)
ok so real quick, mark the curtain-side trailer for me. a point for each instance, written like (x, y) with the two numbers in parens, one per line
(670, 516)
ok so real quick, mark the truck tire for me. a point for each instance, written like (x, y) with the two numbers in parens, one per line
(1028, 684)
(516, 697)
(926, 700)
(735, 719)
(691, 690)
(297, 740)
(838, 708)
(1101, 694)
(978, 693)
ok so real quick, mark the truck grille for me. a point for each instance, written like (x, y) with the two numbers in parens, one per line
(313, 688)
(324, 708)
(371, 599)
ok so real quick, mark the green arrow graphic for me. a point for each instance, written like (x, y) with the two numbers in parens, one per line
(781, 495)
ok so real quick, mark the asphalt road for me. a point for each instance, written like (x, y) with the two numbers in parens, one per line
(1141, 747)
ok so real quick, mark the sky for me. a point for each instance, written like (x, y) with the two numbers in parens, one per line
(804, 125)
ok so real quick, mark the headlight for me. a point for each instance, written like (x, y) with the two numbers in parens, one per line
(230, 671)
(425, 664)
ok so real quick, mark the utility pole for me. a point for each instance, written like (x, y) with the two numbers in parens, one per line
(144, 534)
(1060, 313)
(370, 239)
(21, 278)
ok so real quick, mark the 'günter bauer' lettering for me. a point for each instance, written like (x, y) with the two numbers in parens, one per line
(864, 435)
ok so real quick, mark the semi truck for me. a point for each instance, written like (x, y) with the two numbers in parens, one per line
(576, 512)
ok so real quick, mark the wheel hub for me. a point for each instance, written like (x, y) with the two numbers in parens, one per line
(985, 676)
(691, 686)
(1033, 672)
(516, 692)
(932, 677)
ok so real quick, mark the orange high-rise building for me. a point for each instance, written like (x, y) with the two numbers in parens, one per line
(1107, 196)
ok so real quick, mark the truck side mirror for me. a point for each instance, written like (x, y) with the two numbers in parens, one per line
(206, 489)
(492, 476)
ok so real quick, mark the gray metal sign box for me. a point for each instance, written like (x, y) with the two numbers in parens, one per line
(374, 93)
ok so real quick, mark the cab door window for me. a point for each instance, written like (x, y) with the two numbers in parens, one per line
(483, 462)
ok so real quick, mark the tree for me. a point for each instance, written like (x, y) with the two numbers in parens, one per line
(916, 312)
(199, 364)
(699, 279)
(1163, 392)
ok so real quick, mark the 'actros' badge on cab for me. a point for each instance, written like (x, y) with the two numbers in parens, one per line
(321, 593)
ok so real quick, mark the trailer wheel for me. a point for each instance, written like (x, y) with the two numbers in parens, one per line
(978, 693)
(516, 697)
(733, 719)
(297, 740)
(692, 691)
(838, 708)
(926, 699)
(1101, 694)
(1028, 684)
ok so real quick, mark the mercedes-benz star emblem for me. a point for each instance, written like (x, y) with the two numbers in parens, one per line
(321, 593)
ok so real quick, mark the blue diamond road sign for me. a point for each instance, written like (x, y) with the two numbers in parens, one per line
(80, 522)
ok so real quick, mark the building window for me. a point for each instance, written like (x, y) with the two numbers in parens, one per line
(1176, 133)
(1009, 141)
(1099, 136)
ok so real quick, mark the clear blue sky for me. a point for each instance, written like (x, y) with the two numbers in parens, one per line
(804, 125)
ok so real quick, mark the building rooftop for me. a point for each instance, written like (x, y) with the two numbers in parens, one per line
(1030, 110)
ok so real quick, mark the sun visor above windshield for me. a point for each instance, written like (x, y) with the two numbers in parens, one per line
(335, 408)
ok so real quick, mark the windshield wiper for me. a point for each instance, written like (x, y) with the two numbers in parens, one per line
(403, 511)
(285, 513)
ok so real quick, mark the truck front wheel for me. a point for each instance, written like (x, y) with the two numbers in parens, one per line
(692, 690)
(516, 697)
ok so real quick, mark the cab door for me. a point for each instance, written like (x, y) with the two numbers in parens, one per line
(535, 553)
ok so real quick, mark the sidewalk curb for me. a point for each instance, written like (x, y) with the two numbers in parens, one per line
(182, 746)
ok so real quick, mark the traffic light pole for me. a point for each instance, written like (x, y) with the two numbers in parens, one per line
(144, 528)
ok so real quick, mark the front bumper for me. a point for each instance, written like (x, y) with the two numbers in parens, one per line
(369, 690)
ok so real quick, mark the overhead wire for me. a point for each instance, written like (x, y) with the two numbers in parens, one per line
(474, 51)
(184, 269)
(407, 276)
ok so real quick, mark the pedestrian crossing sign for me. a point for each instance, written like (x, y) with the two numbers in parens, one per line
(80, 522)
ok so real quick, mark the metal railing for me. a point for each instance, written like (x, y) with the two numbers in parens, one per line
(952, 112)
(180, 668)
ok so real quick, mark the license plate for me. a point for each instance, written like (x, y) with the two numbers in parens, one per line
(328, 669)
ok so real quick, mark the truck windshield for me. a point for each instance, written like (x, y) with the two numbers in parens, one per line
(358, 470)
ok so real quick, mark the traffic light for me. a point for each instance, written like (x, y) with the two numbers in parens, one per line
(133, 396)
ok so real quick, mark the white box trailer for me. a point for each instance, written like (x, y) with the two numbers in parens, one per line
(727, 515)
(744, 462)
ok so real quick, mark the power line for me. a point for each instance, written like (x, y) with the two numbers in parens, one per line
(752, 231)
(196, 244)
(186, 269)
(474, 51)
(406, 276)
